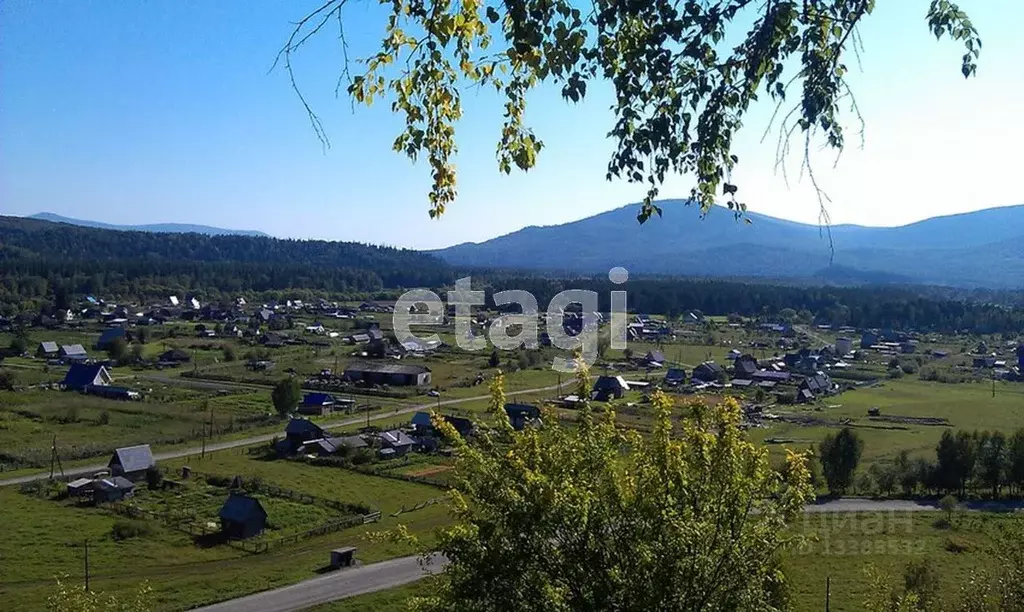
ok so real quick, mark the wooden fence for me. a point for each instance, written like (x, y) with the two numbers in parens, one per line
(187, 521)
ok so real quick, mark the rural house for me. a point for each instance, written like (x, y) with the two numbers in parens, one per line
(609, 387)
(299, 431)
(520, 415)
(745, 367)
(708, 372)
(388, 374)
(654, 359)
(48, 350)
(868, 340)
(317, 404)
(73, 353)
(113, 489)
(242, 517)
(396, 442)
(421, 422)
(985, 362)
(81, 376)
(675, 377)
(132, 462)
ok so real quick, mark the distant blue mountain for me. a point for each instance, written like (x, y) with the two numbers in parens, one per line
(160, 228)
(983, 248)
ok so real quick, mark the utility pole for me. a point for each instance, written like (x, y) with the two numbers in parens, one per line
(828, 592)
(993, 383)
(55, 459)
(87, 565)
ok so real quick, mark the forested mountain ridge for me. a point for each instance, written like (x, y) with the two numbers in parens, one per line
(36, 256)
(148, 227)
(33, 238)
(40, 261)
(978, 249)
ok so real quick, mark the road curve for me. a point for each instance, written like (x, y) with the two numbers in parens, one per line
(217, 446)
(340, 584)
(396, 572)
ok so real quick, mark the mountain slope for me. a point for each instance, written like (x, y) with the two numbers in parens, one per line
(32, 245)
(983, 248)
(160, 228)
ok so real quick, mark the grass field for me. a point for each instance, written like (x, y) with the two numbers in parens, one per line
(50, 539)
(840, 549)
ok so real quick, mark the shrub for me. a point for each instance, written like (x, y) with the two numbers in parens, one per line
(128, 529)
(154, 478)
(104, 418)
(957, 545)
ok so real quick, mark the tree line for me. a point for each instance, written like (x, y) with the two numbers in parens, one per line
(44, 263)
(966, 464)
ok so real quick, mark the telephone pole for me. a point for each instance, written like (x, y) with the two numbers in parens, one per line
(828, 592)
(87, 565)
(55, 459)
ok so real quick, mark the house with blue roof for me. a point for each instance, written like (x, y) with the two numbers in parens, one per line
(242, 517)
(81, 376)
(319, 404)
(520, 415)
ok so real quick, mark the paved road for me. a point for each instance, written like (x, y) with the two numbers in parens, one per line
(336, 585)
(217, 446)
(860, 504)
(388, 574)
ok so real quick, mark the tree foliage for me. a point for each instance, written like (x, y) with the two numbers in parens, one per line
(840, 454)
(286, 395)
(684, 74)
(591, 517)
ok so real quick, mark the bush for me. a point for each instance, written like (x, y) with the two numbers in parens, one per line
(229, 352)
(957, 545)
(895, 373)
(218, 481)
(128, 529)
(104, 418)
(154, 478)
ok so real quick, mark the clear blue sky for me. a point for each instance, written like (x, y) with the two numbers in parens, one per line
(135, 112)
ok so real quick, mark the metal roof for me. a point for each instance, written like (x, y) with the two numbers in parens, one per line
(241, 508)
(134, 458)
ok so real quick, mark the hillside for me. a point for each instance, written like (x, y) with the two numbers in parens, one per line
(163, 228)
(979, 249)
(144, 262)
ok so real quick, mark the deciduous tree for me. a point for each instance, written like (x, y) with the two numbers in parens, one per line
(681, 91)
(591, 517)
(840, 454)
(286, 395)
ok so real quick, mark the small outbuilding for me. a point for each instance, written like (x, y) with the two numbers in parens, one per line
(343, 557)
(242, 517)
(131, 462)
(113, 489)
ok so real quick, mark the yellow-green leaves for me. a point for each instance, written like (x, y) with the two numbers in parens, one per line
(680, 94)
(591, 517)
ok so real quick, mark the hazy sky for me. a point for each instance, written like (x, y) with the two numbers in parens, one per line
(135, 112)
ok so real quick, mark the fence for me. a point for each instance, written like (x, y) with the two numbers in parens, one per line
(419, 506)
(187, 521)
